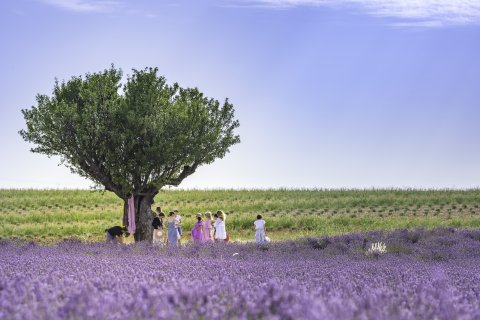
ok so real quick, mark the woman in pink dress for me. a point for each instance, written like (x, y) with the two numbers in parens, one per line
(197, 231)
(208, 228)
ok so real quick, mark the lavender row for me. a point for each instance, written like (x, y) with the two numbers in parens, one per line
(423, 275)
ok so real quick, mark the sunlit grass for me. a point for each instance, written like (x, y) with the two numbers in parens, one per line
(51, 215)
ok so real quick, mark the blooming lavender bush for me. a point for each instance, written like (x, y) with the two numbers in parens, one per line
(435, 276)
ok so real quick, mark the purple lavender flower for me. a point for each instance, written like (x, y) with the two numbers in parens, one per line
(434, 276)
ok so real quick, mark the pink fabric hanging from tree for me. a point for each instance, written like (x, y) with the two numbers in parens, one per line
(131, 215)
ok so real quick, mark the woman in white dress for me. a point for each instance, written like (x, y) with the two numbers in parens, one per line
(220, 228)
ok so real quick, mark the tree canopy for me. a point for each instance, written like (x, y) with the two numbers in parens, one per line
(131, 138)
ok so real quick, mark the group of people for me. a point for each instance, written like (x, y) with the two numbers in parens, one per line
(211, 229)
(207, 229)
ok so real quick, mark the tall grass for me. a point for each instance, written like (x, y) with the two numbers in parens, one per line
(55, 214)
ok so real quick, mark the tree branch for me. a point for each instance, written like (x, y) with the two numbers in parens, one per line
(187, 170)
(94, 171)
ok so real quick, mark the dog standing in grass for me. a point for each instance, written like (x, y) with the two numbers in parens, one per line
(114, 234)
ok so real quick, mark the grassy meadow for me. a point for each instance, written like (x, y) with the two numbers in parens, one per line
(53, 215)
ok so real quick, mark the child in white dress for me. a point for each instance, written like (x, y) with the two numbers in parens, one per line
(259, 224)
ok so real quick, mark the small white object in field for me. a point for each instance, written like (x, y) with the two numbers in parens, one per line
(235, 254)
(267, 239)
(377, 248)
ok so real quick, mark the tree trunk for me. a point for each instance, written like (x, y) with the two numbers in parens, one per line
(143, 216)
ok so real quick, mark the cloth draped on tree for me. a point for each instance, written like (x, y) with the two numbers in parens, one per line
(131, 215)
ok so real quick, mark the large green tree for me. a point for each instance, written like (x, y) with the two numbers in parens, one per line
(132, 138)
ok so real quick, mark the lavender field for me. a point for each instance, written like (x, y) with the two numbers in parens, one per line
(432, 274)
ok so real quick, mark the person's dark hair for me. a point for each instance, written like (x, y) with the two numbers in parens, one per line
(215, 215)
(171, 213)
(199, 218)
(259, 217)
(161, 214)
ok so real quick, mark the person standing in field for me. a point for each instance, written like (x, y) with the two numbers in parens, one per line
(198, 229)
(220, 227)
(214, 224)
(173, 236)
(179, 224)
(260, 232)
(157, 224)
(114, 234)
(208, 227)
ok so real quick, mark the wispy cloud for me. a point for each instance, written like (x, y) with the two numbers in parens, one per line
(426, 13)
(83, 5)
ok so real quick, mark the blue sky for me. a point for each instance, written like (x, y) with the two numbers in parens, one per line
(329, 94)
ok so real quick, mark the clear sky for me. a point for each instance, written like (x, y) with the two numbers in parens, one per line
(329, 94)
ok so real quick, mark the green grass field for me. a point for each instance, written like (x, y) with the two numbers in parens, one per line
(52, 215)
